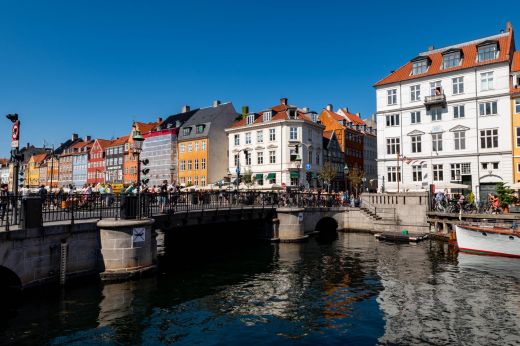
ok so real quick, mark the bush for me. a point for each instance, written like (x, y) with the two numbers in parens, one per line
(505, 195)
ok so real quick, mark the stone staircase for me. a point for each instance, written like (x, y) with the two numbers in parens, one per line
(373, 216)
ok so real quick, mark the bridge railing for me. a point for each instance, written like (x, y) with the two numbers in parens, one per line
(14, 210)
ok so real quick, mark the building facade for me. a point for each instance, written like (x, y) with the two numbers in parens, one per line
(203, 147)
(445, 118)
(515, 111)
(276, 146)
(4, 171)
(33, 170)
(332, 153)
(114, 160)
(80, 162)
(96, 162)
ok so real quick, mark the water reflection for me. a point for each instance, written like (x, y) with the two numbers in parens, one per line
(354, 290)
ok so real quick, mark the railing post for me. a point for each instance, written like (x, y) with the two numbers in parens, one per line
(72, 211)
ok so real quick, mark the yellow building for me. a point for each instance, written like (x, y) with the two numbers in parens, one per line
(33, 170)
(515, 114)
(203, 145)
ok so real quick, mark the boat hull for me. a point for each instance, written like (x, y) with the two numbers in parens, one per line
(487, 242)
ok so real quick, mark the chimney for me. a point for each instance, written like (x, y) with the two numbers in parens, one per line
(283, 101)
(329, 107)
(509, 26)
(159, 120)
(216, 103)
(185, 109)
(87, 139)
(245, 110)
(74, 136)
(358, 114)
(430, 48)
(305, 109)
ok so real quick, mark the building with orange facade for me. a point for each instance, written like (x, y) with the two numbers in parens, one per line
(203, 145)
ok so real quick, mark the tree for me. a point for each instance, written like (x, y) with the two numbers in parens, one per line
(505, 195)
(248, 178)
(328, 173)
(355, 176)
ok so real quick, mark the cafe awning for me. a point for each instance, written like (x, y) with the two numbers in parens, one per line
(295, 174)
(259, 176)
(271, 176)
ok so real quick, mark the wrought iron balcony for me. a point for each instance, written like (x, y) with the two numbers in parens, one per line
(435, 100)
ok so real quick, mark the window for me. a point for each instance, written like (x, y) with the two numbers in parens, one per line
(460, 140)
(458, 85)
(438, 174)
(237, 140)
(436, 114)
(202, 163)
(189, 165)
(199, 129)
(486, 81)
(186, 131)
(435, 88)
(182, 180)
(465, 168)
(203, 181)
(309, 156)
(267, 116)
(259, 136)
(517, 137)
(317, 158)
(455, 171)
(293, 155)
(392, 96)
(416, 144)
(196, 164)
(196, 181)
(248, 158)
(309, 135)
(417, 173)
(488, 108)
(248, 137)
(190, 147)
(393, 174)
(489, 138)
(415, 93)
(237, 160)
(182, 165)
(458, 111)
(420, 66)
(272, 156)
(393, 145)
(495, 165)
(484, 165)
(487, 52)
(415, 117)
(272, 135)
(203, 145)
(250, 119)
(260, 158)
(196, 146)
(392, 120)
(517, 106)
(437, 141)
(451, 60)
(189, 180)
(518, 167)
(293, 133)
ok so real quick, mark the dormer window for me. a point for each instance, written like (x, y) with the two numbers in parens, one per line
(419, 66)
(268, 115)
(292, 113)
(488, 51)
(250, 119)
(451, 58)
(314, 117)
(199, 129)
(186, 131)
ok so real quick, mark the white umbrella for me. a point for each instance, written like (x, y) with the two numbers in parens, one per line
(276, 187)
(515, 186)
(441, 186)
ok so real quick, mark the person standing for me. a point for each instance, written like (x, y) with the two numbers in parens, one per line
(163, 195)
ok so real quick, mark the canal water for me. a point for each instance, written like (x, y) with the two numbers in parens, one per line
(351, 291)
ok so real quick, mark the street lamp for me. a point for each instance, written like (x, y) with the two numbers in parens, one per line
(138, 140)
(346, 171)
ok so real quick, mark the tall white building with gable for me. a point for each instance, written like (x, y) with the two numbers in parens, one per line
(445, 117)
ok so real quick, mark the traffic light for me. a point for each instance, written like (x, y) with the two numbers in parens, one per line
(145, 171)
(12, 117)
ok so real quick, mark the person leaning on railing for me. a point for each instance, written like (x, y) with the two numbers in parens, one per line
(4, 200)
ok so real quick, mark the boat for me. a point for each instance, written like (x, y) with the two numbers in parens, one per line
(493, 241)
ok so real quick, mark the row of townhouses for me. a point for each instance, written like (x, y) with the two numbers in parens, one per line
(280, 146)
(451, 117)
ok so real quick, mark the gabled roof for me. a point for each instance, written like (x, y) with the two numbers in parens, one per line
(515, 67)
(39, 158)
(118, 141)
(469, 51)
(353, 118)
(103, 143)
(177, 119)
(222, 114)
(146, 127)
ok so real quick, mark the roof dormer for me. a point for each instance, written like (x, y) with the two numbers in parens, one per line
(420, 64)
(268, 115)
(250, 119)
(487, 50)
(452, 58)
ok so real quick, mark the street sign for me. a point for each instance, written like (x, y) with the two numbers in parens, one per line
(15, 137)
(238, 170)
(308, 166)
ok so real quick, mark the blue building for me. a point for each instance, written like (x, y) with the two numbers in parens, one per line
(80, 162)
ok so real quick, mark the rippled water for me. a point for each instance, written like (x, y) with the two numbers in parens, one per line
(351, 291)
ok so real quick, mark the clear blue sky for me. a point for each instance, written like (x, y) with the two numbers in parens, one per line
(92, 67)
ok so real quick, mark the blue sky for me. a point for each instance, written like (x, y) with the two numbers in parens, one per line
(92, 67)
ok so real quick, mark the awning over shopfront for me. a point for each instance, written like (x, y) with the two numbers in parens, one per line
(295, 174)
(259, 176)
(271, 176)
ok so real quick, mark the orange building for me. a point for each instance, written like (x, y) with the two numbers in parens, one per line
(130, 162)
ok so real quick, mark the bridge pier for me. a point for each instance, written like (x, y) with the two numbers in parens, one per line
(127, 248)
(290, 225)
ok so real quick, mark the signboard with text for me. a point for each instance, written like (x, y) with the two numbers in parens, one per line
(15, 136)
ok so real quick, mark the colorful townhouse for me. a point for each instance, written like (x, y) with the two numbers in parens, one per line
(80, 161)
(96, 162)
(278, 145)
(332, 153)
(65, 152)
(203, 145)
(444, 118)
(114, 160)
(33, 170)
(515, 114)
(43, 172)
(130, 160)
(160, 148)
(53, 170)
(4, 171)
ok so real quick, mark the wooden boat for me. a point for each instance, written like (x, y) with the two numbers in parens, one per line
(494, 241)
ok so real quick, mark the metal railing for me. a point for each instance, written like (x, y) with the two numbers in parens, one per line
(74, 207)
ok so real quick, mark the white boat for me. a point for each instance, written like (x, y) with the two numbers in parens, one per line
(494, 241)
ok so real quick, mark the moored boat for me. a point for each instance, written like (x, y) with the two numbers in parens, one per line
(494, 241)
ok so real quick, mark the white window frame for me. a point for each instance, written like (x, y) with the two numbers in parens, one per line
(434, 86)
(487, 52)
(459, 112)
(488, 108)
(436, 114)
(393, 120)
(248, 138)
(486, 81)
(459, 139)
(451, 60)
(437, 141)
(272, 135)
(517, 106)
(416, 143)
(458, 85)
(420, 67)
(259, 136)
(438, 172)
(268, 116)
(393, 145)
(237, 139)
(293, 133)
(417, 173)
(415, 117)
(260, 158)
(393, 174)
(272, 156)
(488, 138)
(517, 130)
(250, 119)
(391, 97)
(415, 93)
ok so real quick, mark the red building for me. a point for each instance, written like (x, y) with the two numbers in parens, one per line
(96, 162)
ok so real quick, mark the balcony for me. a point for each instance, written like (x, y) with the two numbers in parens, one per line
(435, 100)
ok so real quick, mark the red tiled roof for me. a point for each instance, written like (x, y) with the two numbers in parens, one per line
(146, 127)
(328, 134)
(39, 158)
(279, 113)
(353, 117)
(118, 141)
(4, 162)
(469, 60)
(515, 67)
(334, 115)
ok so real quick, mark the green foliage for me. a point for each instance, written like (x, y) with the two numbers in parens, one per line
(471, 198)
(505, 195)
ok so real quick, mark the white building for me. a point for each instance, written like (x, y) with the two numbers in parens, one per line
(445, 117)
(277, 146)
(4, 171)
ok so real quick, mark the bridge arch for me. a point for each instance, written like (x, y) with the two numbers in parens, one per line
(327, 228)
(9, 281)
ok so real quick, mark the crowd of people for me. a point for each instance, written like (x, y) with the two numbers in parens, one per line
(458, 202)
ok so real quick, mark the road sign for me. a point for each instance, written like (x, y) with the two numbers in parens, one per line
(15, 138)
(308, 166)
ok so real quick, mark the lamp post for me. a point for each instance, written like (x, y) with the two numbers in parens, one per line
(346, 170)
(138, 140)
